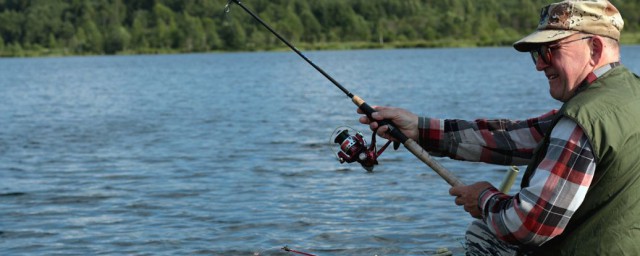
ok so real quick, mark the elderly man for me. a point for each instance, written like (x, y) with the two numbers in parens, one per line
(580, 194)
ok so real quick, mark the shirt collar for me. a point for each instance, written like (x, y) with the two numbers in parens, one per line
(594, 75)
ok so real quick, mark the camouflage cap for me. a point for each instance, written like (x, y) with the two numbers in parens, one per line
(562, 19)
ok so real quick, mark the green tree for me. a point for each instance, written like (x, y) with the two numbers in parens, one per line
(94, 40)
(165, 27)
(290, 24)
(15, 49)
(52, 43)
(116, 40)
(11, 26)
(78, 43)
(312, 28)
(192, 34)
(139, 30)
(214, 42)
(234, 36)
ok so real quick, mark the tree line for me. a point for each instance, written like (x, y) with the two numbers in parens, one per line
(66, 27)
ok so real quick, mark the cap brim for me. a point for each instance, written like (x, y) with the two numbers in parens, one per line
(531, 41)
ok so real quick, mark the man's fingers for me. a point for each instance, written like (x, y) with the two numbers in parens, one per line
(377, 116)
(454, 191)
(364, 120)
(459, 201)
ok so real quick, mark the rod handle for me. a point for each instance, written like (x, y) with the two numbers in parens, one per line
(410, 144)
(368, 110)
(424, 156)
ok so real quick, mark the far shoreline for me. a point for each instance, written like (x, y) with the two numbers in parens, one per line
(627, 39)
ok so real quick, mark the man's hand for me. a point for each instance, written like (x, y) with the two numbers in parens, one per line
(467, 196)
(404, 120)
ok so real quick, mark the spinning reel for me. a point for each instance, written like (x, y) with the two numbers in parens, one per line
(353, 148)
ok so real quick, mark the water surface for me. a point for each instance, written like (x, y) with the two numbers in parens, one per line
(229, 153)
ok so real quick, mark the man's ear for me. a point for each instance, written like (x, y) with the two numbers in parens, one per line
(597, 49)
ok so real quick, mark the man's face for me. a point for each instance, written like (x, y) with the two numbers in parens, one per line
(567, 65)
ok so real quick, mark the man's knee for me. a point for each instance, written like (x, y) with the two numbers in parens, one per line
(479, 240)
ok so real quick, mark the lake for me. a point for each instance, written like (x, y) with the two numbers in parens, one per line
(230, 153)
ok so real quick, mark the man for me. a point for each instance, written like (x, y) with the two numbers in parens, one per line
(580, 194)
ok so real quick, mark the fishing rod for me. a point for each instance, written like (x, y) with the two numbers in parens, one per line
(346, 141)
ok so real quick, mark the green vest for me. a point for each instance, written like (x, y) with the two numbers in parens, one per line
(608, 221)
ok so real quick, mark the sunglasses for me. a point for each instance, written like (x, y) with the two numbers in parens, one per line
(544, 51)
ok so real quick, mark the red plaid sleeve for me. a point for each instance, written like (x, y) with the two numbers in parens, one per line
(498, 141)
(558, 187)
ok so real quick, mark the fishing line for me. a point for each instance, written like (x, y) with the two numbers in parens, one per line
(410, 144)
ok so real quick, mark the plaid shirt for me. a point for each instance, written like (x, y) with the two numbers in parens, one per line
(557, 188)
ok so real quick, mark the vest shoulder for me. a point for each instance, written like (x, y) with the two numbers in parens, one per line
(617, 89)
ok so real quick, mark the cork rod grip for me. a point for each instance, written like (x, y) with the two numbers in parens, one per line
(421, 154)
